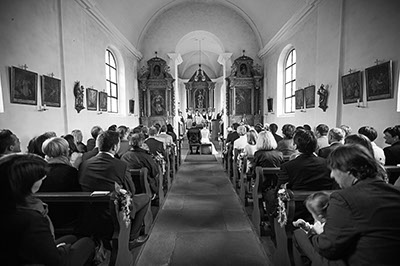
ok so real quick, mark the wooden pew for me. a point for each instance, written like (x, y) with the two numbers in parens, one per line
(141, 174)
(257, 195)
(243, 181)
(284, 234)
(120, 254)
(235, 170)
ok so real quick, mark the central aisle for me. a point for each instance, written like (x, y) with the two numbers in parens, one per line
(202, 222)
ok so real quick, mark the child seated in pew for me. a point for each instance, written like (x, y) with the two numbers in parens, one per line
(317, 204)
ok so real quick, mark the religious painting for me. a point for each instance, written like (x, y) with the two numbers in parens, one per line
(91, 99)
(51, 91)
(243, 101)
(103, 97)
(299, 96)
(352, 87)
(157, 100)
(131, 106)
(309, 96)
(379, 81)
(243, 69)
(270, 105)
(23, 86)
(200, 99)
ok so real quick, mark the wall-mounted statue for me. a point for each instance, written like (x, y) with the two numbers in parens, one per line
(78, 93)
(323, 97)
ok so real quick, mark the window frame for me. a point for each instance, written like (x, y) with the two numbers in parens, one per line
(291, 81)
(112, 98)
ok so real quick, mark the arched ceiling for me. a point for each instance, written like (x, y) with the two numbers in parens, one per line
(136, 19)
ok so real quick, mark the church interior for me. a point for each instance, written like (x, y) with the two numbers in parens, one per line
(76, 64)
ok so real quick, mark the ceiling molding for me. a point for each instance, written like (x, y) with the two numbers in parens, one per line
(90, 7)
(289, 28)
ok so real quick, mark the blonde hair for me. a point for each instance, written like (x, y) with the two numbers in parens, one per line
(266, 141)
(55, 147)
(241, 130)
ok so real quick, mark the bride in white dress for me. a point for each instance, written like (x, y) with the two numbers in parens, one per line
(205, 138)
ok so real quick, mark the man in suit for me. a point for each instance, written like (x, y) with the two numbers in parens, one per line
(306, 172)
(335, 139)
(363, 218)
(154, 144)
(321, 132)
(392, 137)
(99, 174)
(194, 137)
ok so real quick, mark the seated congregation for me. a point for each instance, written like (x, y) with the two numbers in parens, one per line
(64, 199)
(319, 196)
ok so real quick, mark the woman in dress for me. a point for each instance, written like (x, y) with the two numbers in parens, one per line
(205, 138)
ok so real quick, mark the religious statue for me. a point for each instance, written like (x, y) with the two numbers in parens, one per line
(78, 93)
(323, 97)
(200, 100)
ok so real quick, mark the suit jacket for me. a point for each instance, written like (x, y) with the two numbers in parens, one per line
(87, 155)
(194, 135)
(155, 146)
(62, 178)
(232, 137)
(363, 225)
(264, 158)
(99, 174)
(392, 154)
(306, 172)
(324, 152)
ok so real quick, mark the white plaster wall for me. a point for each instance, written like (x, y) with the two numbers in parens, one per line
(31, 35)
(326, 51)
(174, 23)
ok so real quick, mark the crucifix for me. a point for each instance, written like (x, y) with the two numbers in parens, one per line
(377, 61)
(51, 75)
(24, 66)
(351, 70)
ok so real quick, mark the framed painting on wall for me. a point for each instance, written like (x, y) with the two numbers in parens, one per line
(103, 97)
(379, 80)
(23, 86)
(242, 101)
(270, 104)
(299, 96)
(309, 96)
(51, 91)
(131, 106)
(157, 99)
(91, 99)
(352, 87)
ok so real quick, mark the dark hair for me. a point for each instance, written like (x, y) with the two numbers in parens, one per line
(96, 130)
(288, 131)
(71, 143)
(258, 128)
(393, 131)
(307, 127)
(6, 140)
(322, 129)
(112, 128)
(163, 128)
(369, 132)
(35, 145)
(273, 127)
(355, 159)
(122, 131)
(305, 141)
(235, 125)
(107, 140)
(19, 172)
(152, 131)
(360, 139)
(170, 128)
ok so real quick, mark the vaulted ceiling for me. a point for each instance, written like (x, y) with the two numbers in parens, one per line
(135, 19)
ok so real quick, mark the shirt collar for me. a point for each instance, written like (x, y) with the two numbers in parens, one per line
(106, 152)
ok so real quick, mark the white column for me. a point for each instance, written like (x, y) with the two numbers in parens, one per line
(174, 62)
(225, 60)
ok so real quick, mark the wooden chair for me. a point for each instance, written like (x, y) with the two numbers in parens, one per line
(144, 182)
(257, 193)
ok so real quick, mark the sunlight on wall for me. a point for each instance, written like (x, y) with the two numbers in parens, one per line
(1, 98)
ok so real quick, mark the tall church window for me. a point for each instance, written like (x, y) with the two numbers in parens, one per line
(111, 82)
(290, 82)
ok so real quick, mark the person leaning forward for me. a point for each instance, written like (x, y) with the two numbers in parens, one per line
(99, 174)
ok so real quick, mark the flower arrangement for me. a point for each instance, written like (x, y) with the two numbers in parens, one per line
(123, 199)
(283, 197)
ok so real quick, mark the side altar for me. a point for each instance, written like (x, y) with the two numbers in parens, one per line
(156, 93)
(244, 92)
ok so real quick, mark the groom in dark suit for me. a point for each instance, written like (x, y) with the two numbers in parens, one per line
(99, 174)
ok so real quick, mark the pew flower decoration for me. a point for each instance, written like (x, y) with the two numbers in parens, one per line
(159, 158)
(283, 197)
(123, 199)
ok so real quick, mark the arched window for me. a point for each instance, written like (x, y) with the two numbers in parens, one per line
(111, 82)
(290, 81)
